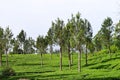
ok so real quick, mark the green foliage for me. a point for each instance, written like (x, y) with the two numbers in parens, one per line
(21, 38)
(16, 45)
(106, 31)
(2, 45)
(29, 46)
(97, 40)
(6, 72)
(58, 32)
(1, 32)
(41, 44)
(114, 48)
(104, 51)
(117, 35)
(50, 34)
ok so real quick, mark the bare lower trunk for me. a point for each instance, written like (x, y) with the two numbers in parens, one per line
(41, 60)
(51, 50)
(6, 58)
(0, 59)
(109, 50)
(51, 56)
(79, 61)
(69, 57)
(86, 61)
(60, 58)
(86, 56)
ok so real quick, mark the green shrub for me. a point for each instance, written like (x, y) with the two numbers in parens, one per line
(8, 72)
(104, 51)
(114, 49)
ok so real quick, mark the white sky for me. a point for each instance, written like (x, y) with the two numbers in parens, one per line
(35, 16)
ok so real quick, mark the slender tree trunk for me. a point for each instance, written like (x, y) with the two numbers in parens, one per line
(109, 50)
(61, 58)
(1, 55)
(6, 58)
(79, 61)
(0, 58)
(86, 56)
(23, 48)
(51, 50)
(41, 60)
(69, 56)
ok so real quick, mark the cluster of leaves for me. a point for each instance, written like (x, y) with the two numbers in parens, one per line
(6, 72)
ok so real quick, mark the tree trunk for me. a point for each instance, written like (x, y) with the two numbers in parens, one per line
(69, 56)
(6, 58)
(0, 58)
(60, 58)
(86, 57)
(23, 52)
(79, 61)
(41, 60)
(51, 51)
(109, 51)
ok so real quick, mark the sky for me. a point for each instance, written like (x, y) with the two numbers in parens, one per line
(35, 16)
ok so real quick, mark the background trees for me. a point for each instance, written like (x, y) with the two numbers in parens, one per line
(15, 44)
(97, 40)
(75, 35)
(50, 38)
(88, 37)
(21, 38)
(41, 45)
(67, 36)
(7, 41)
(58, 37)
(29, 46)
(79, 37)
(1, 44)
(117, 35)
(107, 33)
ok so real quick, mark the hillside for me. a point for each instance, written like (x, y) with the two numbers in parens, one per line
(100, 66)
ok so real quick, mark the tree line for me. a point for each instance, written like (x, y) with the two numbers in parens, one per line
(74, 36)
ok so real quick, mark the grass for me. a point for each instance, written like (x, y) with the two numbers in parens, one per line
(100, 67)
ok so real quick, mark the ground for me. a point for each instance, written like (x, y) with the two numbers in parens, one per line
(28, 67)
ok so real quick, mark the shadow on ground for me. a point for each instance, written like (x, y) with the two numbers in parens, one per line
(109, 78)
(40, 77)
